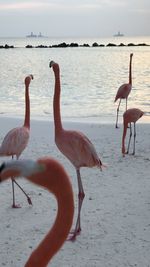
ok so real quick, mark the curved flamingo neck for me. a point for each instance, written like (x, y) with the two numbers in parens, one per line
(56, 103)
(50, 174)
(27, 108)
(56, 181)
(55, 238)
(130, 71)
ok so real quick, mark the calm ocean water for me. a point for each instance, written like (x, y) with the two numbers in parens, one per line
(90, 77)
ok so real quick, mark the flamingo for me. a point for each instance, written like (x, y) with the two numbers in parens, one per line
(17, 139)
(129, 116)
(50, 174)
(74, 145)
(124, 90)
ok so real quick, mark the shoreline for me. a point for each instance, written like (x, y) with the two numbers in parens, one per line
(95, 120)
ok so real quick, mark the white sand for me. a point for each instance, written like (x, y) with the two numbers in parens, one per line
(116, 209)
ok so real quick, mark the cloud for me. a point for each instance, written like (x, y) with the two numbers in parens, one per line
(23, 5)
(86, 17)
(58, 4)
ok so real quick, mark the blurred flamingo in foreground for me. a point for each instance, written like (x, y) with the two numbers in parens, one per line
(74, 145)
(17, 139)
(129, 116)
(124, 90)
(50, 174)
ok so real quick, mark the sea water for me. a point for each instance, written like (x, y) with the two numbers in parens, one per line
(90, 78)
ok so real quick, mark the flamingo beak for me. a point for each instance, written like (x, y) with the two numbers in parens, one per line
(51, 63)
(6, 173)
(1, 169)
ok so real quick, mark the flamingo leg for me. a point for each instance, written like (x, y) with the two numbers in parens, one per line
(28, 198)
(129, 138)
(126, 103)
(81, 196)
(13, 191)
(118, 113)
(134, 139)
(126, 108)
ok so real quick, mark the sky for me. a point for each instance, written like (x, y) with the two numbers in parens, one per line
(74, 18)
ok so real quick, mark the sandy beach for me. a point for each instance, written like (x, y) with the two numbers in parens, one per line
(116, 209)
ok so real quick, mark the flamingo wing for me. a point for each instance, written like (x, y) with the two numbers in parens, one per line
(123, 91)
(15, 142)
(78, 149)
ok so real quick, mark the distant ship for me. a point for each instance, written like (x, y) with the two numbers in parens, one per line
(32, 35)
(119, 34)
(40, 35)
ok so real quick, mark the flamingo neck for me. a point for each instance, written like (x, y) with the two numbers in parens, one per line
(27, 108)
(124, 136)
(56, 104)
(55, 238)
(130, 71)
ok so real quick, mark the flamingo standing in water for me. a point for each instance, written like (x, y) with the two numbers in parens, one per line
(17, 139)
(124, 90)
(74, 145)
(50, 174)
(129, 116)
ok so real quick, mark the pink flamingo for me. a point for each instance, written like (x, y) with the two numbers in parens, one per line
(50, 174)
(129, 116)
(74, 145)
(124, 90)
(17, 139)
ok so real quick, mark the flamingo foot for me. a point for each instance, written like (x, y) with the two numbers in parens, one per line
(76, 231)
(71, 238)
(73, 235)
(29, 200)
(14, 206)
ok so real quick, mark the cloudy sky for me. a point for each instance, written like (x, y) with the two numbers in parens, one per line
(74, 18)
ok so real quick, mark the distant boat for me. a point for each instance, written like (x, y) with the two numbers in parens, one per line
(40, 35)
(32, 35)
(119, 34)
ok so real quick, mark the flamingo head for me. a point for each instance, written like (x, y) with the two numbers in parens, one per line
(142, 113)
(51, 63)
(54, 65)
(18, 168)
(8, 173)
(28, 79)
